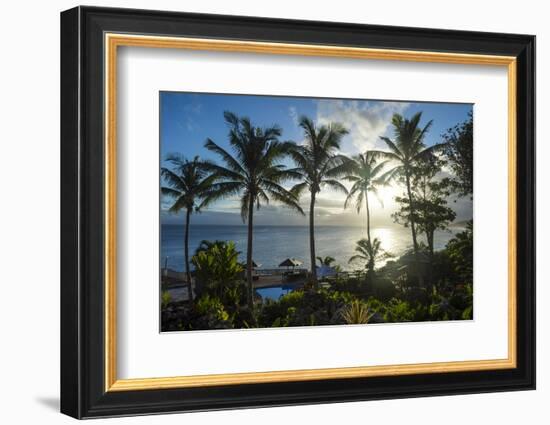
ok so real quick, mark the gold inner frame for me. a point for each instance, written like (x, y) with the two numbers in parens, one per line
(113, 41)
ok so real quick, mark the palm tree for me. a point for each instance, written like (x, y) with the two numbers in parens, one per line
(407, 150)
(189, 184)
(369, 252)
(364, 174)
(326, 261)
(318, 165)
(254, 172)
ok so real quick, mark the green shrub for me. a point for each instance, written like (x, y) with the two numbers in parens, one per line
(397, 310)
(305, 308)
(357, 312)
(166, 299)
(352, 285)
(468, 313)
(460, 250)
(211, 314)
(217, 268)
(383, 289)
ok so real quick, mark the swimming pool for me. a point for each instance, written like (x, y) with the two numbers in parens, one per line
(274, 292)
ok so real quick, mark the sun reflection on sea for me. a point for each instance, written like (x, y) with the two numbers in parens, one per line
(387, 239)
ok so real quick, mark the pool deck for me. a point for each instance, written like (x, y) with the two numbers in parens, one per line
(177, 286)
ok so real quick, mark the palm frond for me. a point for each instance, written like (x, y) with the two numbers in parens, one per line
(374, 190)
(218, 191)
(336, 185)
(393, 148)
(430, 150)
(309, 127)
(352, 193)
(288, 201)
(231, 118)
(272, 133)
(180, 204)
(359, 200)
(231, 163)
(168, 191)
(338, 166)
(298, 189)
(377, 168)
(422, 133)
(388, 156)
(390, 175)
(357, 257)
(173, 179)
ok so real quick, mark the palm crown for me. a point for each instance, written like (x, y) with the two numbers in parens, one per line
(318, 162)
(190, 185)
(408, 146)
(254, 171)
(364, 174)
(326, 261)
(370, 252)
(407, 150)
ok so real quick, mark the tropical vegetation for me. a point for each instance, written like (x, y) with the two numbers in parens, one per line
(254, 172)
(421, 284)
(190, 186)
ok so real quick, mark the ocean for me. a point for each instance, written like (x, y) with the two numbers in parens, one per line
(273, 244)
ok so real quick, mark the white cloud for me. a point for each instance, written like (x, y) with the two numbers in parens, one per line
(366, 121)
(189, 112)
(194, 108)
(293, 112)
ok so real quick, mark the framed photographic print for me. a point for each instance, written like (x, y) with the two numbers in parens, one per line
(261, 212)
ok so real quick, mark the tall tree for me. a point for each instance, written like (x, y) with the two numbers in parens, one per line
(318, 164)
(406, 150)
(189, 185)
(364, 174)
(459, 150)
(430, 193)
(253, 171)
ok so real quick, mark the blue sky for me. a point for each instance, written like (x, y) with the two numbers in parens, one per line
(187, 119)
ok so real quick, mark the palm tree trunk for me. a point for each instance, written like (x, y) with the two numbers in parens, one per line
(411, 218)
(312, 237)
(187, 272)
(430, 240)
(413, 229)
(368, 215)
(249, 296)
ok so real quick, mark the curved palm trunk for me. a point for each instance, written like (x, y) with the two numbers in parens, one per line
(249, 295)
(312, 237)
(368, 215)
(187, 272)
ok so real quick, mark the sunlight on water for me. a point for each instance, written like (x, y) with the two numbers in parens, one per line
(388, 239)
(273, 244)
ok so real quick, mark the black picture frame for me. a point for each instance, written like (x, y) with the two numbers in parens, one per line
(82, 219)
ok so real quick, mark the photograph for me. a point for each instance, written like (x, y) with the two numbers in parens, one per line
(283, 211)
